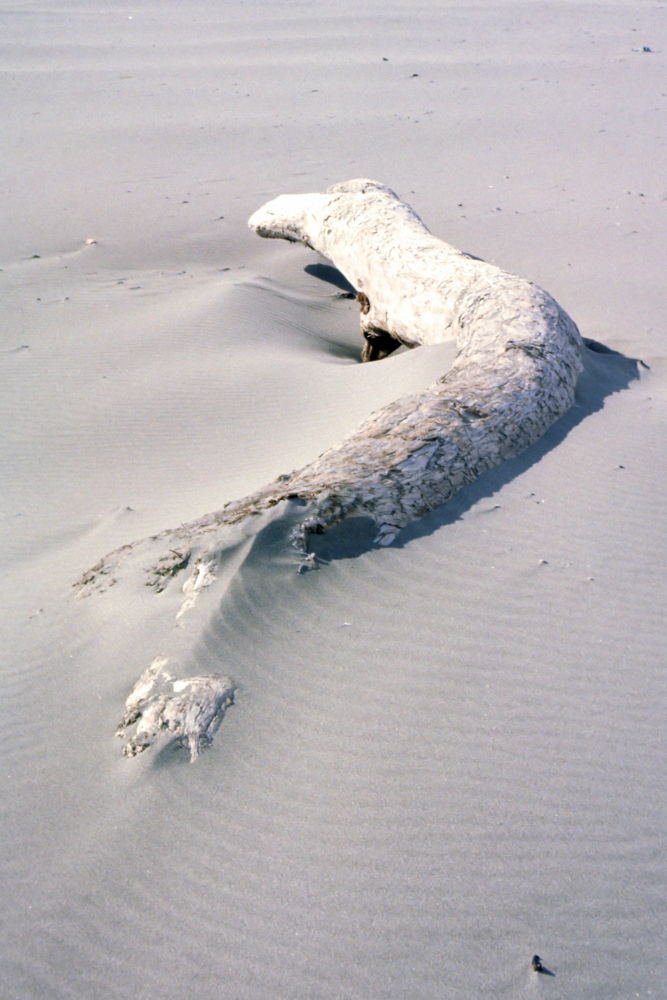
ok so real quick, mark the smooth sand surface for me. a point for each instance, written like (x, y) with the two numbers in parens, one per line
(447, 755)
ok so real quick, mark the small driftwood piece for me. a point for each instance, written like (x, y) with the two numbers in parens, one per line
(191, 709)
(514, 375)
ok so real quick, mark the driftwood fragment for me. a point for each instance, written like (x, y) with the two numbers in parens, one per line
(191, 709)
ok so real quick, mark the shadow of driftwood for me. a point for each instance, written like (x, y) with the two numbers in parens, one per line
(605, 373)
(331, 274)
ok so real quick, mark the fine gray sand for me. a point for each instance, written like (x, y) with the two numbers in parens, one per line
(446, 755)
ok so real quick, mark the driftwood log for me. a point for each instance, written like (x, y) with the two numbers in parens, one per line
(514, 375)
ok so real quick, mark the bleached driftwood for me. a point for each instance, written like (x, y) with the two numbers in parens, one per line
(191, 709)
(514, 375)
(515, 372)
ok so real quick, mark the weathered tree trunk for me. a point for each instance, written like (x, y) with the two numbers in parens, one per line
(514, 375)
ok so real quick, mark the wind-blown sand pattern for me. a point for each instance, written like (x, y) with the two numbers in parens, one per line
(515, 373)
(445, 755)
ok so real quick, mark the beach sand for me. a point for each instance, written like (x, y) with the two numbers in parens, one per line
(447, 755)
